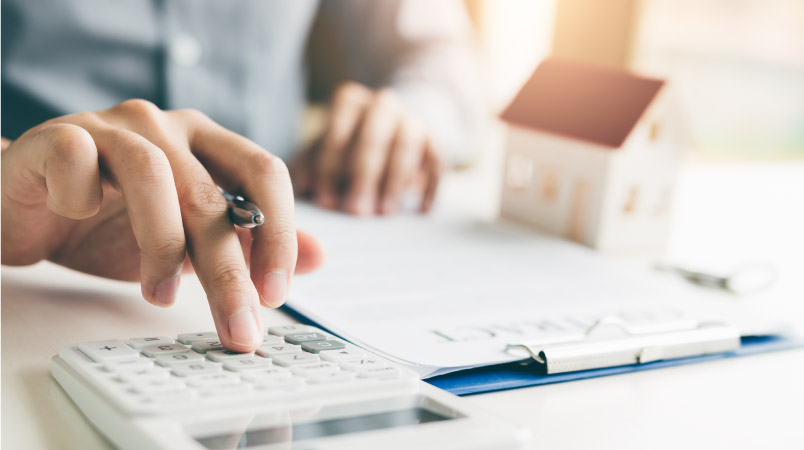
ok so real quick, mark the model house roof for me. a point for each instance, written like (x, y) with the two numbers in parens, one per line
(583, 101)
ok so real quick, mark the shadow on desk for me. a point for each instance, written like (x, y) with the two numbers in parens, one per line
(46, 307)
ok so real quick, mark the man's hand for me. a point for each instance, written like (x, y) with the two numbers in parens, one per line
(124, 193)
(370, 154)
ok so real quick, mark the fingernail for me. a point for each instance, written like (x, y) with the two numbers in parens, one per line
(363, 205)
(388, 206)
(275, 288)
(243, 329)
(165, 291)
(326, 200)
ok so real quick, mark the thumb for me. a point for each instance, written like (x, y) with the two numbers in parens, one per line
(49, 169)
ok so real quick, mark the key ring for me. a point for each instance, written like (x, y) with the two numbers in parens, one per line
(745, 279)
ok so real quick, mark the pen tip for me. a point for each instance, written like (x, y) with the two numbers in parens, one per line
(258, 219)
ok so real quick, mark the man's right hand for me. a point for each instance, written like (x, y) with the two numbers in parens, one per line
(124, 193)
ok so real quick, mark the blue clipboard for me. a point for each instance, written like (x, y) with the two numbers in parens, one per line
(521, 374)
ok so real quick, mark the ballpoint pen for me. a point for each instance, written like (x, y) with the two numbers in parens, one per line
(242, 212)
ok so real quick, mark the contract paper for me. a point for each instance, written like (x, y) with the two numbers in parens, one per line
(445, 293)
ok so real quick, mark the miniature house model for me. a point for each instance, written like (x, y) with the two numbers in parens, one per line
(592, 156)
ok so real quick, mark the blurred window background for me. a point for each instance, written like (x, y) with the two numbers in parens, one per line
(737, 65)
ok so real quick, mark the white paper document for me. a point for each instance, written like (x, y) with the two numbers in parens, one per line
(440, 294)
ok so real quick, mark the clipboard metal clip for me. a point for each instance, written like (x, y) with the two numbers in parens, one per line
(632, 345)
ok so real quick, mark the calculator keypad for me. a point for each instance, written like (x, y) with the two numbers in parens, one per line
(164, 372)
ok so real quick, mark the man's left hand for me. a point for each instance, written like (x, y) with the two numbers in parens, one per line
(371, 153)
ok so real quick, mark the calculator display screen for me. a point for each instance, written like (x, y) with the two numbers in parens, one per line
(319, 429)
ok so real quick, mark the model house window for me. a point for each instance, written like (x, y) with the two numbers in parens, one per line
(655, 131)
(549, 186)
(631, 200)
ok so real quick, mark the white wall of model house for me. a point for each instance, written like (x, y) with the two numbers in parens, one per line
(617, 200)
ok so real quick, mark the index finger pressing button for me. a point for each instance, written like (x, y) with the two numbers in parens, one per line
(104, 351)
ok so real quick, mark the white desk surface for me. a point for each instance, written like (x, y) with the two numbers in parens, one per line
(726, 215)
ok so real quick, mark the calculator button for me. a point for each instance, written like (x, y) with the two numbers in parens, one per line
(145, 375)
(294, 358)
(341, 355)
(179, 358)
(362, 363)
(317, 346)
(171, 398)
(213, 379)
(227, 355)
(106, 351)
(166, 349)
(205, 346)
(199, 368)
(381, 373)
(263, 375)
(298, 338)
(126, 366)
(280, 385)
(269, 351)
(227, 390)
(156, 386)
(189, 338)
(314, 368)
(330, 377)
(269, 339)
(285, 329)
(141, 342)
(238, 365)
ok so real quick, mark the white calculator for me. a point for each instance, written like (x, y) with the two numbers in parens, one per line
(302, 389)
